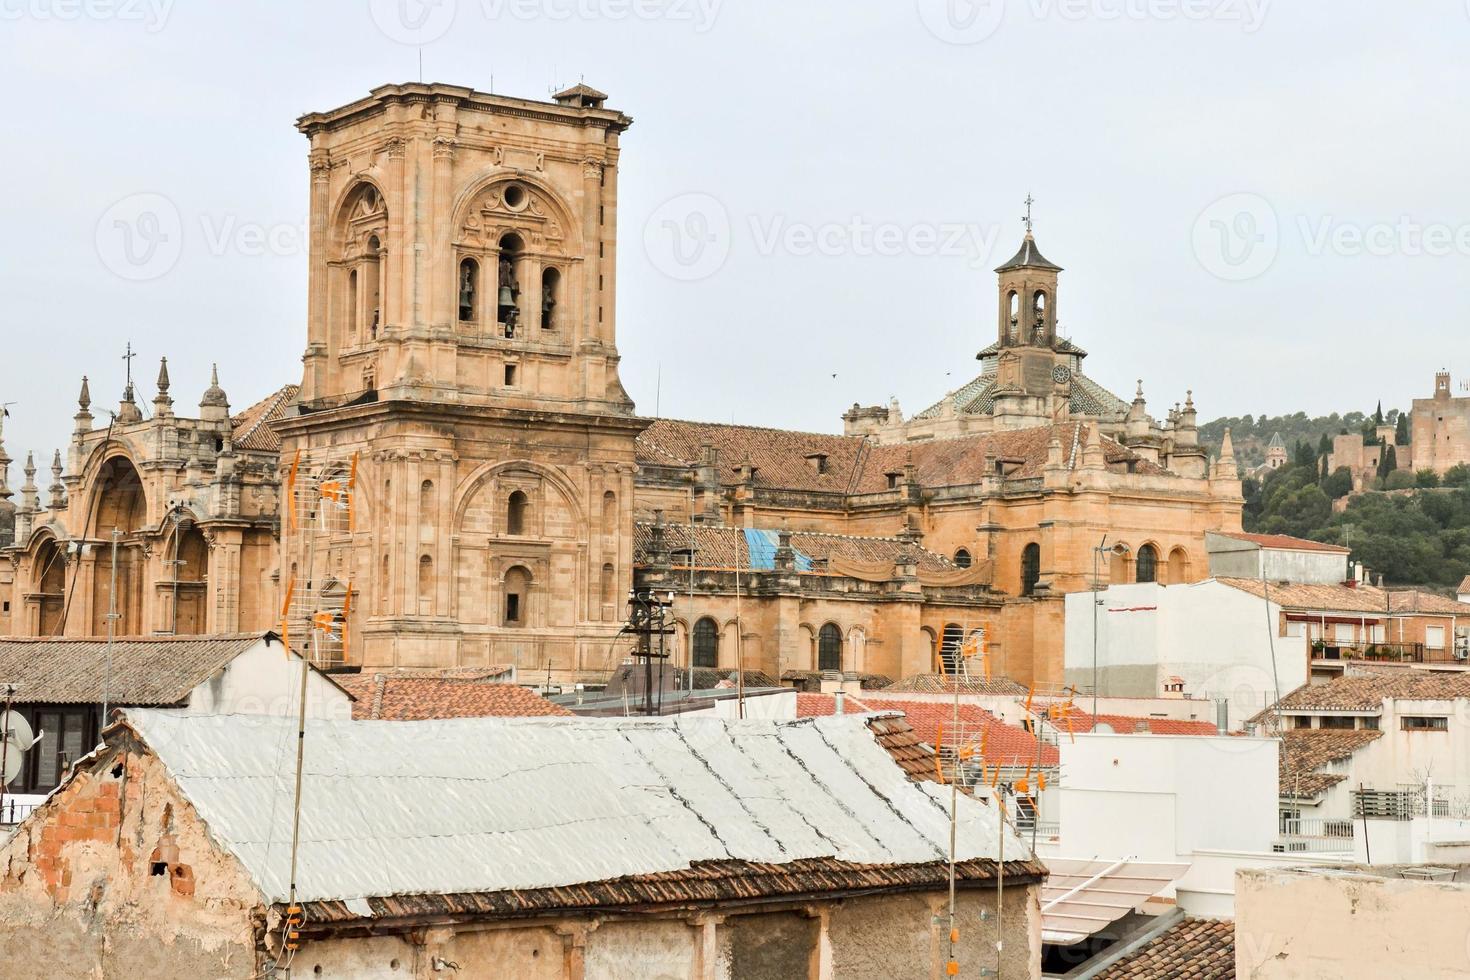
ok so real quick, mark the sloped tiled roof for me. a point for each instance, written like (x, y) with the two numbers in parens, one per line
(1366, 690)
(146, 671)
(1283, 542)
(721, 546)
(1464, 586)
(1302, 597)
(1029, 257)
(405, 696)
(945, 684)
(933, 723)
(251, 428)
(854, 465)
(1307, 750)
(1194, 949)
(977, 397)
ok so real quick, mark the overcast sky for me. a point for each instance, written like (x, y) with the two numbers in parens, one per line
(1262, 201)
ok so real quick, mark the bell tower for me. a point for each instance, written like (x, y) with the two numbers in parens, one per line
(462, 347)
(1028, 295)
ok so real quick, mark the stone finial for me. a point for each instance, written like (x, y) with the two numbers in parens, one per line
(1054, 452)
(30, 497)
(57, 490)
(127, 409)
(1093, 457)
(214, 406)
(162, 403)
(1227, 448)
(84, 400)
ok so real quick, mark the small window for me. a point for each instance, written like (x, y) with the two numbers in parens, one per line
(1301, 721)
(1339, 723)
(1030, 569)
(706, 643)
(962, 558)
(829, 648)
(893, 480)
(1434, 637)
(1424, 723)
(517, 596)
(1146, 566)
(515, 513)
(510, 375)
(469, 287)
(1370, 724)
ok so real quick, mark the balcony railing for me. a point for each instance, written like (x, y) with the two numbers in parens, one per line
(1314, 835)
(14, 811)
(1388, 652)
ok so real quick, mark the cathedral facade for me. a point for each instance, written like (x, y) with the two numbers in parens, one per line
(461, 375)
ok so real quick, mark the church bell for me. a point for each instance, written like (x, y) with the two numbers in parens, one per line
(507, 297)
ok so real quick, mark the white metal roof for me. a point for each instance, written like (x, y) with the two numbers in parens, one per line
(492, 804)
(1081, 898)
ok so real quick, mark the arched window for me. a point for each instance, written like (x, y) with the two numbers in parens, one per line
(426, 586)
(609, 513)
(508, 290)
(1014, 302)
(706, 643)
(428, 510)
(1146, 565)
(515, 513)
(829, 648)
(517, 597)
(949, 647)
(1030, 568)
(469, 288)
(962, 558)
(373, 286)
(353, 312)
(50, 577)
(1178, 566)
(550, 297)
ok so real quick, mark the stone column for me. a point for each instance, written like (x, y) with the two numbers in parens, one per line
(317, 273)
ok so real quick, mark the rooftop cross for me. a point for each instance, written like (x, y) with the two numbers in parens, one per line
(127, 357)
(1029, 201)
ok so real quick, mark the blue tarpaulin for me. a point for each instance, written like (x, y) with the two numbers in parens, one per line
(762, 547)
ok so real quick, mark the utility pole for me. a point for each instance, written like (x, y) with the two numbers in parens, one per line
(112, 617)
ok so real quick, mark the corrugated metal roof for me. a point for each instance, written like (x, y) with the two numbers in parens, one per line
(497, 804)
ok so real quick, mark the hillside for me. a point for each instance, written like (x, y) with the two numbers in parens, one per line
(1251, 434)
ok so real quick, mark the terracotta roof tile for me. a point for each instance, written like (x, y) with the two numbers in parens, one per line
(1365, 689)
(1464, 586)
(405, 696)
(1082, 721)
(148, 671)
(933, 722)
(1307, 750)
(1346, 598)
(1197, 949)
(945, 684)
(1283, 542)
(251, 428)
(720, 546)
(782, 459)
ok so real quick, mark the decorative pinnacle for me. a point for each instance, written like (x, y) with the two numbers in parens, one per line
(163, 375)
(85, 398)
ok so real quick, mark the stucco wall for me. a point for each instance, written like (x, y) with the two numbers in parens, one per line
(264, 681)
(1293, 925)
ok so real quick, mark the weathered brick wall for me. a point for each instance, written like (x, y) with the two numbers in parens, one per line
(116, 877)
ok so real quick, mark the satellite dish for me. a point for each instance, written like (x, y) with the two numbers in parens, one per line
(1103, 728)
(17, 736)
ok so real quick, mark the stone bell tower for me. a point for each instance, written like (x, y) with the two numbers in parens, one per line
(461, 340)
(1033, 371)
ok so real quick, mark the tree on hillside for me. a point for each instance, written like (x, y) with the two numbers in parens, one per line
(1426, 479)
(1339, 484)
(1378, 413)
(1324, 445)
(1401, 433)
(1388, 463)
(1456, 476)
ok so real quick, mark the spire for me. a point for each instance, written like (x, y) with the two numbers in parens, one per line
(57, 489)
(163, 404)
(83, 418)
(84, 400)
(214, 406)
(30, 498)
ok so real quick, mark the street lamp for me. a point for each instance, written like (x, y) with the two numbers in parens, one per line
(1120, 550)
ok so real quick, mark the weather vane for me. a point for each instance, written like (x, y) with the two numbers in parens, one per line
(1029, 201)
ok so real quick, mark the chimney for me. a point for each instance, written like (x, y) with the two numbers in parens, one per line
(839, 702)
